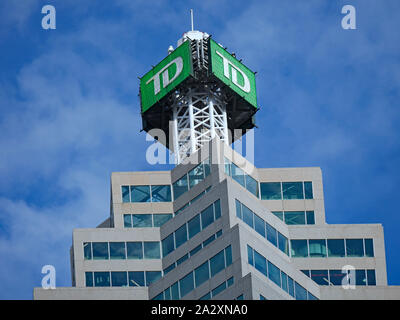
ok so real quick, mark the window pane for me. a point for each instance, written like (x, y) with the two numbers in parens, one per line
(89, 279)
(299, 248)
(160, 296)
(195, 250)
(160, 219)
(161, 193)
(169, 268)
(251, 185)
(217, 263)
(201, 274)
(127, 221)
(100, 250)
(229, 282)
(227, 167)
(196, 175)
(119, 279)
(317, 248)
(371, 277)
(152, 250)
(207, 296)
(180, 187)
(320, 277)
(134, 250)
(354, 247)
(136, 278)
(167, 294)
(361, 279)
(291, 286)
(228, 255)
(207, 216)
(336, 277)
(283, 243)
(207, 167)
(310, 217)
(218, 289)
(270, 190)
(125, 194)
(278, 214)
(308, 191)
(142, 221)
(180, 236)
(168, 245)
(292, 190)
(186, 284)
(271, 234)
(238, 209)
(284, 281)
(217, 209)
(306, 272)
(175, 291)
(140, 193)
(247, 216)
(259, 225)
(209, 240)
(87, 250)
(274, 273)
(301, 293)
(152, 276)
(369, 247)
(336, 248)
(182, 259)
(260, 263)
(117, 250)
(194, 226)
(250, 252)
(102, 279)
(295, 217)
(237, 174)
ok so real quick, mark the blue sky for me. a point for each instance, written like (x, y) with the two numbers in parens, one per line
(70, 112)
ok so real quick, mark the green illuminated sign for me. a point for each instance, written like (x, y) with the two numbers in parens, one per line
(233, 73)
(164, 77)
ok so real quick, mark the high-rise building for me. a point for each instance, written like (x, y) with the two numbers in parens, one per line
(217, 227)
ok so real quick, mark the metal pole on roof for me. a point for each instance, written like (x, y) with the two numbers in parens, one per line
(191, 18)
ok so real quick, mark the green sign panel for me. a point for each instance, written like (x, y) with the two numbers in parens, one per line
(164, 77)
(233, 73)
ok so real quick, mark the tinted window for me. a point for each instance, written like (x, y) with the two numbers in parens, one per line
(127, 221)
(125, 194)
(119, 279)
(117, 250)
(201, 274)
(260, 263)
(196, 175)
(354, 247)
(252, 185)
(299, 248)
(160, 219)
(207, 216)
(152, 276)
(238, 209)
(320, 277)
(336, 248)
(369, 247)
(310, 217)
(217, 263)
(89, 279)
(194, 226)
(361, 279)
(283, 243)
(270, 190)
(271, 234)
(180, 236)
(274, 273)
(180, 187)
(247, 216)
(317, 248)
(308, 191)
(301, 293)
(134, 250)
(336, 277)
(259, 225)
(186, 284)
(250, 259)
(237, 174)
(371, 277)
(101, 279)
(140, 193)
(87, 250)
(278, 214)
(295, 217)
(217, 209)
(292, 190)
(142, 221)
(152, 250)
(100, 250)
(161, 193)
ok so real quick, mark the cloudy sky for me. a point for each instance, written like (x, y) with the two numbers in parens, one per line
(69, 110)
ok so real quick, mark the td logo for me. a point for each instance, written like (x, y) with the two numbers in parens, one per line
(166, 80)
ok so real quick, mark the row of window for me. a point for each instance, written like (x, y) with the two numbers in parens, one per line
(190, 179)
(153, 193)
(241, 177)
(262, 227)
(193, 252)
(332, 248)
(342, 277)
(146, 220)
(191, 228)
(296, 217)
(277, 276)
(121, 250)
(286, 190)
(193, 200)
(121, 278)
(198, 276)
(217, 290)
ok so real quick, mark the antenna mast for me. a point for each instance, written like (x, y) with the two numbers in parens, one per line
(191, 18)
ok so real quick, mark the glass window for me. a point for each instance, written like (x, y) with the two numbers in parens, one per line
(89, 279)
(117, 250)
(311, 296)
(161, 193)
(301, 293)
(229, 282)
(219, 233)
(295, 217)
(262, 297)
(186, 284)
(169, 268)
(167, 294)
(194, 226)
(317, 248)
(134, 250)
(278, 214)
(207, 167)
(206, 296)
(283, 243)
(336, 277)
(180, 236)
(102, 279)
(227, 167)
(250, 259)
(125, 193)
(168, 245)
(217, 209)
(195, 250)
(228, 255)
(238, 209)
(259, 225)
(251, 185)
(127, 221)
(274, 273)
(161, 218)
(175, 291)
(201, 274)
(160, 296)
(180, 187)
(142, 221)
(308, 190)
(119, 279)
(354, 247)
(87, 250)
(196, 175)
(270, 191)
(152, 250)
(241, 297)
(247, 216)
(320, 277)
(100, 250)
(271, 234)
(299, 248)
(260, 263)
(361, 279)
(207, 216)
(140, 193)
(371, 277)
(292, 190)
(152, 276)
(284, 281)
(291, 286)
(306, 272)
(209, 240)
(369, 247)
(310, 217)
(237, 174)
(218, 289)
(336, 248)
(217, 263)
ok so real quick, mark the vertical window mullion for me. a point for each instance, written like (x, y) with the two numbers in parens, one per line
(364, 253)
(143, 251)
(345, 248)
(281, 191)
(304, 191)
